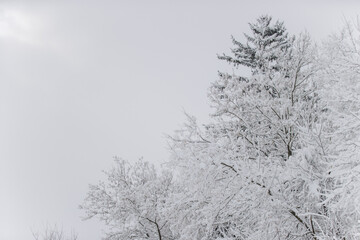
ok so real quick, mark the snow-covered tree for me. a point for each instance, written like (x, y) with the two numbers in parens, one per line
(129, 202)
(237, 170)
(279, 158)
(340, 130)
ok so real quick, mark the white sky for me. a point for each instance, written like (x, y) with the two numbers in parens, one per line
(83, 81)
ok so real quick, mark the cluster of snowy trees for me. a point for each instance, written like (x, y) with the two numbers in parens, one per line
(279, 159)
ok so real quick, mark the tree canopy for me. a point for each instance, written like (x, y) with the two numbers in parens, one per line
(279, 158)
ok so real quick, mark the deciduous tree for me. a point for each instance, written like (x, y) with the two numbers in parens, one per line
(130, 201)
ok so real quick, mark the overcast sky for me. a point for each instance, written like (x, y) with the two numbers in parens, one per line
(83, 81)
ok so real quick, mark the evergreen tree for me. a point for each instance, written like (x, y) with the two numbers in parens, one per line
(270, 99)
(267, 44)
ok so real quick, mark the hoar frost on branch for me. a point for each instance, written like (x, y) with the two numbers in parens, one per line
(130, 201)
(278, 160)
(242, 169)
(340, 78)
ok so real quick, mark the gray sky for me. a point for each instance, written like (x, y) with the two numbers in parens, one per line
(83, 81)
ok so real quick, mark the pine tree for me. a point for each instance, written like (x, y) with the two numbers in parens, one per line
(267, 44)
(268, 99)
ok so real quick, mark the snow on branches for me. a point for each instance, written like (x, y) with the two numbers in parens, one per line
(279, 158)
